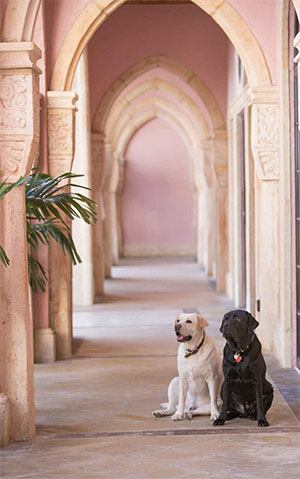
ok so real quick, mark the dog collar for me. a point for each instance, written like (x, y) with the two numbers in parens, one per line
(237, 355)
(195, 351)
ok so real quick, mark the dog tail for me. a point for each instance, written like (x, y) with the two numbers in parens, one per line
(165, 405)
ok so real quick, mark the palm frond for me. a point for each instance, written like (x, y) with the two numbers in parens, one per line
(3, 257)
(44, 198)
(38, 276)
(42, 232)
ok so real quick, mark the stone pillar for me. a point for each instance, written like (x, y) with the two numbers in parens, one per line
(61, 136)
(19, 141)
(98, 176)
(221, 196)
(265, 150)
(107, 228)
(83, 291)
(113, 208)
(209, 210)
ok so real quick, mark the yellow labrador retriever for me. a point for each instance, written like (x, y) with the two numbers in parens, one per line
(197, 389)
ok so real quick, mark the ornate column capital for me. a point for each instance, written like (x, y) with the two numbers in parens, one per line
(265, 139)
(19, 109)
(61, 130)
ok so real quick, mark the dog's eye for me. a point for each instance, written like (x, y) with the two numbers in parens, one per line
(177, 320)
(188, 321)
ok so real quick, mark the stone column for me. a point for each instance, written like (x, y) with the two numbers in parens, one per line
(107, 228)
(19, 141)
(265, 150)
(98, 176)
(61, 137)
(83, 291)
(221, 191)
(113, 208)
(209, 211)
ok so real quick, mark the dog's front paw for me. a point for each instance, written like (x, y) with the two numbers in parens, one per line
(157, 414)
(219, 421)
(263, 423)
(180, 417)
(214, 416)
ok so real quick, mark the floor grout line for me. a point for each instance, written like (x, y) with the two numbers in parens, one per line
(168, 432)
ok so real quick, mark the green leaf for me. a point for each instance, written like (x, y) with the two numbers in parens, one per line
(3, 257)
(38, 276)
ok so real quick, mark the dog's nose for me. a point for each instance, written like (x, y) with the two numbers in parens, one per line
(177, 327)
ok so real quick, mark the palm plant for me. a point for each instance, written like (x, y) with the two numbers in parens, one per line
(49, 206)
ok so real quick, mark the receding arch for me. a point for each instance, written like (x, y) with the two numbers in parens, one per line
(195, 135)
(151, 85)
(146, 111)
(165, 63)
(225, 15)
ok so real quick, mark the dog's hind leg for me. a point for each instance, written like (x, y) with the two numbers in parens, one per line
(173, 396)
(202, 410)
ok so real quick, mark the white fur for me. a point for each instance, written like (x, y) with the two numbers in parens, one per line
(196, 390)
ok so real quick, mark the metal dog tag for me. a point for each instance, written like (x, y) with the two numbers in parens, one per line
(237, 357)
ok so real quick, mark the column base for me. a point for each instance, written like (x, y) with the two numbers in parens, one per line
(44, 345)
(4, 420)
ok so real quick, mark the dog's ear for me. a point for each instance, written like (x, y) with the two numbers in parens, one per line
(201, 322)
(223, 323)
(252, 323)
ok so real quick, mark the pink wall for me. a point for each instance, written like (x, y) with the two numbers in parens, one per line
(183, 33)
(157, 197)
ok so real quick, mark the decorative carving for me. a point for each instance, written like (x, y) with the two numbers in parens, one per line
(13, 102)
(60, 129)
(17, 154)
(268, 122)
(11, 155)
(265, 140)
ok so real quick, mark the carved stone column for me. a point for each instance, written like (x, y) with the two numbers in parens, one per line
(98, 176)
(19, 141)
(265, 149)
(221, 229)
(61, 137)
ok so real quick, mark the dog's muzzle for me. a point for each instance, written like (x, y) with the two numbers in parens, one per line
(180, 338)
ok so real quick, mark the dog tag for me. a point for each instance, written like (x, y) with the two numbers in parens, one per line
(237, 357)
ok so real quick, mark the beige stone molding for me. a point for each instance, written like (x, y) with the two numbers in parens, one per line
(44, 345)
(265, 138)
(19, 20)
(61, 130)
(19, 109)
(97, 11)
(142, 67)
(168, 89)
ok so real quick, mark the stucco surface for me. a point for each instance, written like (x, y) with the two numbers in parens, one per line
(184, 33)
(157, 190)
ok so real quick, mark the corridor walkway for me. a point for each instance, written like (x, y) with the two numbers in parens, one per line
(94, 411)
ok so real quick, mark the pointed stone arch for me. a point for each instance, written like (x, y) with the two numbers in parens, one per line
(94, 14)
(164, 63)
(155, 85)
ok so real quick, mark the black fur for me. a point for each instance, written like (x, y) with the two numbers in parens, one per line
(245, 391)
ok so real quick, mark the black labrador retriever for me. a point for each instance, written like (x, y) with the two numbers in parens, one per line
(245, 391)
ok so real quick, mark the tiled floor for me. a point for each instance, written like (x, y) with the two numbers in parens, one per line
(94, 411)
